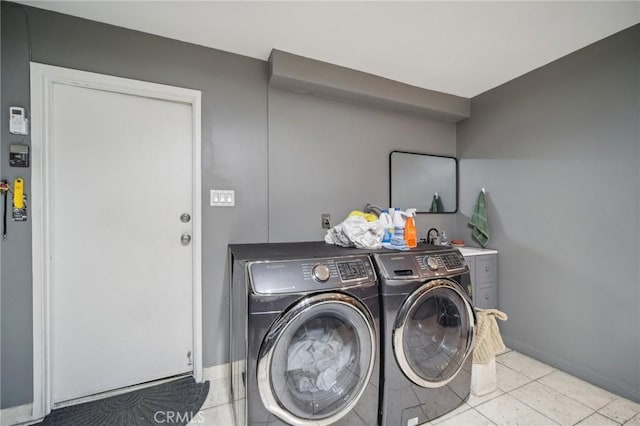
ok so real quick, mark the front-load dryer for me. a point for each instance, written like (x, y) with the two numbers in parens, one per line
(427, 325)
(304, 335)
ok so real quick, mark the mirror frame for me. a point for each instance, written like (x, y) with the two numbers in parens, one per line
(428, 155)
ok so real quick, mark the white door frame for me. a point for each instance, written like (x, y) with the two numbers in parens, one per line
(43, 78)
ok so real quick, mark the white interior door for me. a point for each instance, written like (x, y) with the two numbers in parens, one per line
(120, 170)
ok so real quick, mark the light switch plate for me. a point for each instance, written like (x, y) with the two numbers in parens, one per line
(222, 197)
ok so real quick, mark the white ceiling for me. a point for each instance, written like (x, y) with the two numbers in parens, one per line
(462, 48)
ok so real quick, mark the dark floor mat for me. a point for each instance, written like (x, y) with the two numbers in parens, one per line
(172, 403)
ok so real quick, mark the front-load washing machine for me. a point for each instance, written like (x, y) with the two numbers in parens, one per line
(304, 335)
(427, 325)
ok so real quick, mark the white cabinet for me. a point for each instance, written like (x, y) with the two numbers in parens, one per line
(483, 268)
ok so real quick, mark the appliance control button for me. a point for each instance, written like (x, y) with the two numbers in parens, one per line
(321, 273)
(431, 262)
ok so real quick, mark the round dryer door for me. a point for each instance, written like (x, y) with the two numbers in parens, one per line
(317, 359)
(433, 333)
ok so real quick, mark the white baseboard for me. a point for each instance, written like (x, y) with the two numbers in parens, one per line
(222, 371)
(216, 372)
(16, 415)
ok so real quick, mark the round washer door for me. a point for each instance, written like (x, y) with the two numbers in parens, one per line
(433, 333)
(317, 359)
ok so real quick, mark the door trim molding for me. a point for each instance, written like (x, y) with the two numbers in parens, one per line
(43, 78)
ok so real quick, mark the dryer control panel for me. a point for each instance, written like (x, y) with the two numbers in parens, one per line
(299, 276)
(421, 265)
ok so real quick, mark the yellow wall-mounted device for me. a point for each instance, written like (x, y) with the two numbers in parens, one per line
(18, 192)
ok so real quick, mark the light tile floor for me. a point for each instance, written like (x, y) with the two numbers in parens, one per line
(529, 393)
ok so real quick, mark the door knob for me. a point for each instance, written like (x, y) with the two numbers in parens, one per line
(185, 217)
(185, 239)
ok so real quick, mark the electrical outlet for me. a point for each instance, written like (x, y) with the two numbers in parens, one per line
(326, 221)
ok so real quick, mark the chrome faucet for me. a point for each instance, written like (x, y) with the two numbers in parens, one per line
(430, 239)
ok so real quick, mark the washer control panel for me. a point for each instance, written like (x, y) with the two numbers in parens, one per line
(421, 265)
(431, 262)
(453, 261)
(321, 273)
(351, 270)
(295, 276)
(450, 262)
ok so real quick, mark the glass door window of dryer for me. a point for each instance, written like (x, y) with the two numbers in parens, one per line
(318, 360)
(433, 335)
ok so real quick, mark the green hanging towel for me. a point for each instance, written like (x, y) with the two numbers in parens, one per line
(479, 221)
(436, 204)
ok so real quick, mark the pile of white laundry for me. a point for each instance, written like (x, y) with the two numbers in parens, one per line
(320, 356)
(356, 231)
(370, 231)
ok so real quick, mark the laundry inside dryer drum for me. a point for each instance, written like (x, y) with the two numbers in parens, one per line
(321, 363)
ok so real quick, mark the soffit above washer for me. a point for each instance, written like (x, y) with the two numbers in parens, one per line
(461, 48)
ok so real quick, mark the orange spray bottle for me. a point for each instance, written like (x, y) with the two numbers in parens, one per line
(410, 235)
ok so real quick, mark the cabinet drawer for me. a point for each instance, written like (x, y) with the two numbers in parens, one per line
(486, 269)
(486, 297)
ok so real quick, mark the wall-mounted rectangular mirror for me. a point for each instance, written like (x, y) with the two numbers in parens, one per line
(426, 182)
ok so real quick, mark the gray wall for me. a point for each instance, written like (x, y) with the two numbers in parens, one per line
(558, 151)
(282, 186)
(329, 156)
(234, 155)
(15, 272)
(291, 157)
